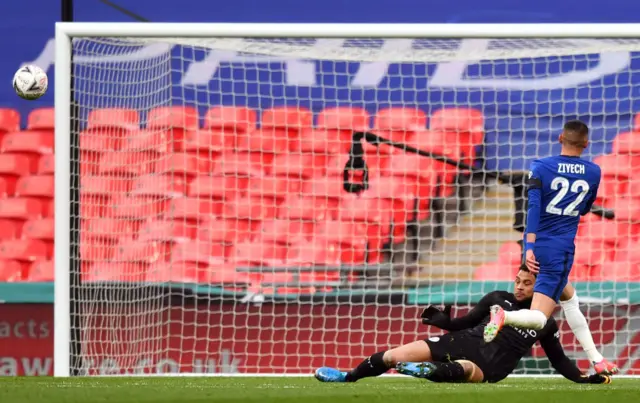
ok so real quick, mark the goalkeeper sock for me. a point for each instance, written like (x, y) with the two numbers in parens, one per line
(525, 318)
(578, 324)
(448, 372)
(372, 366)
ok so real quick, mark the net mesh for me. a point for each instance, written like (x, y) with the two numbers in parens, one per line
(215, 233)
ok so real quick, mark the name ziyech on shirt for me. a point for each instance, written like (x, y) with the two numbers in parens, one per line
(564, 168)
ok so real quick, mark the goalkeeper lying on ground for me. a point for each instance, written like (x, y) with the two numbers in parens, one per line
(462, 355)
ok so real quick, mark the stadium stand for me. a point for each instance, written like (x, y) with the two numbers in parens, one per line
(233, 193)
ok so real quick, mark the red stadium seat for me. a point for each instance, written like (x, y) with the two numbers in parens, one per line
(9, 120)
(218, 187)
(230, 119)
(193, 209)
(495, 271)
(226, 275)
(250, 208)
(285, 232)
(127, 164)
(590, 254)
(96, 250)
(398, 124)
(11, 167)
(21, 208)
(173, 117)
(42, 271)
(604, 231)
(240, 164)
(35, 142)
(625, 271)
(173, 231)
(141, 251)
(39, 229)
(113, 118)
(626, 143)
(105, 186)
(617, 166)
(120, 272)
(376, 214)
(179, 272)
(41, 186)
(26, 250)
(183, 164)
(315, 252)
(295, 165)
(10, 229)
(225, 231)
(208, 143)
(402, 196)
(160, 186)
(41, 119)
(400, 118)
(152, 142)
(325, 142)
(11, 271)
(462, 126)
(265, 141)
(259, 254)
(271, 187)
(457, 119)
(306, 208)
(46, 165)
(200, 252)
(344, 118)
(290, 118)
(108, 229)
(351, 237)
(136, 208)
(330, 187)
(510, 254)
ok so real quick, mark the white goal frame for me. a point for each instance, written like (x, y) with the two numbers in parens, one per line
(65, 32)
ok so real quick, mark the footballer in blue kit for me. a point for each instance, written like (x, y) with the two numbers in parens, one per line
(560, 189)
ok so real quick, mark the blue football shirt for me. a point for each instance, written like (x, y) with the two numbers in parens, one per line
(561, 189)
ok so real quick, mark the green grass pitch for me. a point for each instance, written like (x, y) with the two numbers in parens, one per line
(307, 390)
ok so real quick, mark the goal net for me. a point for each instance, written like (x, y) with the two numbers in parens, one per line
(214, 233)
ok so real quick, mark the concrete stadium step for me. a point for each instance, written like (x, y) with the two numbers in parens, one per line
(475, 239)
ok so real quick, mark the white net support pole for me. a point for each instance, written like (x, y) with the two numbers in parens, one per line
(215, 236)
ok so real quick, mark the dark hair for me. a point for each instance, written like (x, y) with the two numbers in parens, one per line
(524, 268)
(576, 133)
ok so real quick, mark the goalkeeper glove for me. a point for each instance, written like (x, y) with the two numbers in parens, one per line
(433, 316)
(595, 378)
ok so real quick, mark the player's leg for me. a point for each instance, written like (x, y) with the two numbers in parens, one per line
(550, 282)
(378, 363)
(578, 324)
(453, 371)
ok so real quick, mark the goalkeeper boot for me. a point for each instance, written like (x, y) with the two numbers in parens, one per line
(496, 323)
(416, 369)
(604, 367)
(327, 374)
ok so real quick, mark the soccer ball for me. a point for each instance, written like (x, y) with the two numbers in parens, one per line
(30, 82)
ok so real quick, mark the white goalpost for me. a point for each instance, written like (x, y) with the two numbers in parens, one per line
(202, 221)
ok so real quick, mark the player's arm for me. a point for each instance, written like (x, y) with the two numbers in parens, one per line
(534, 206)
(563, 364)
(442, 319)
